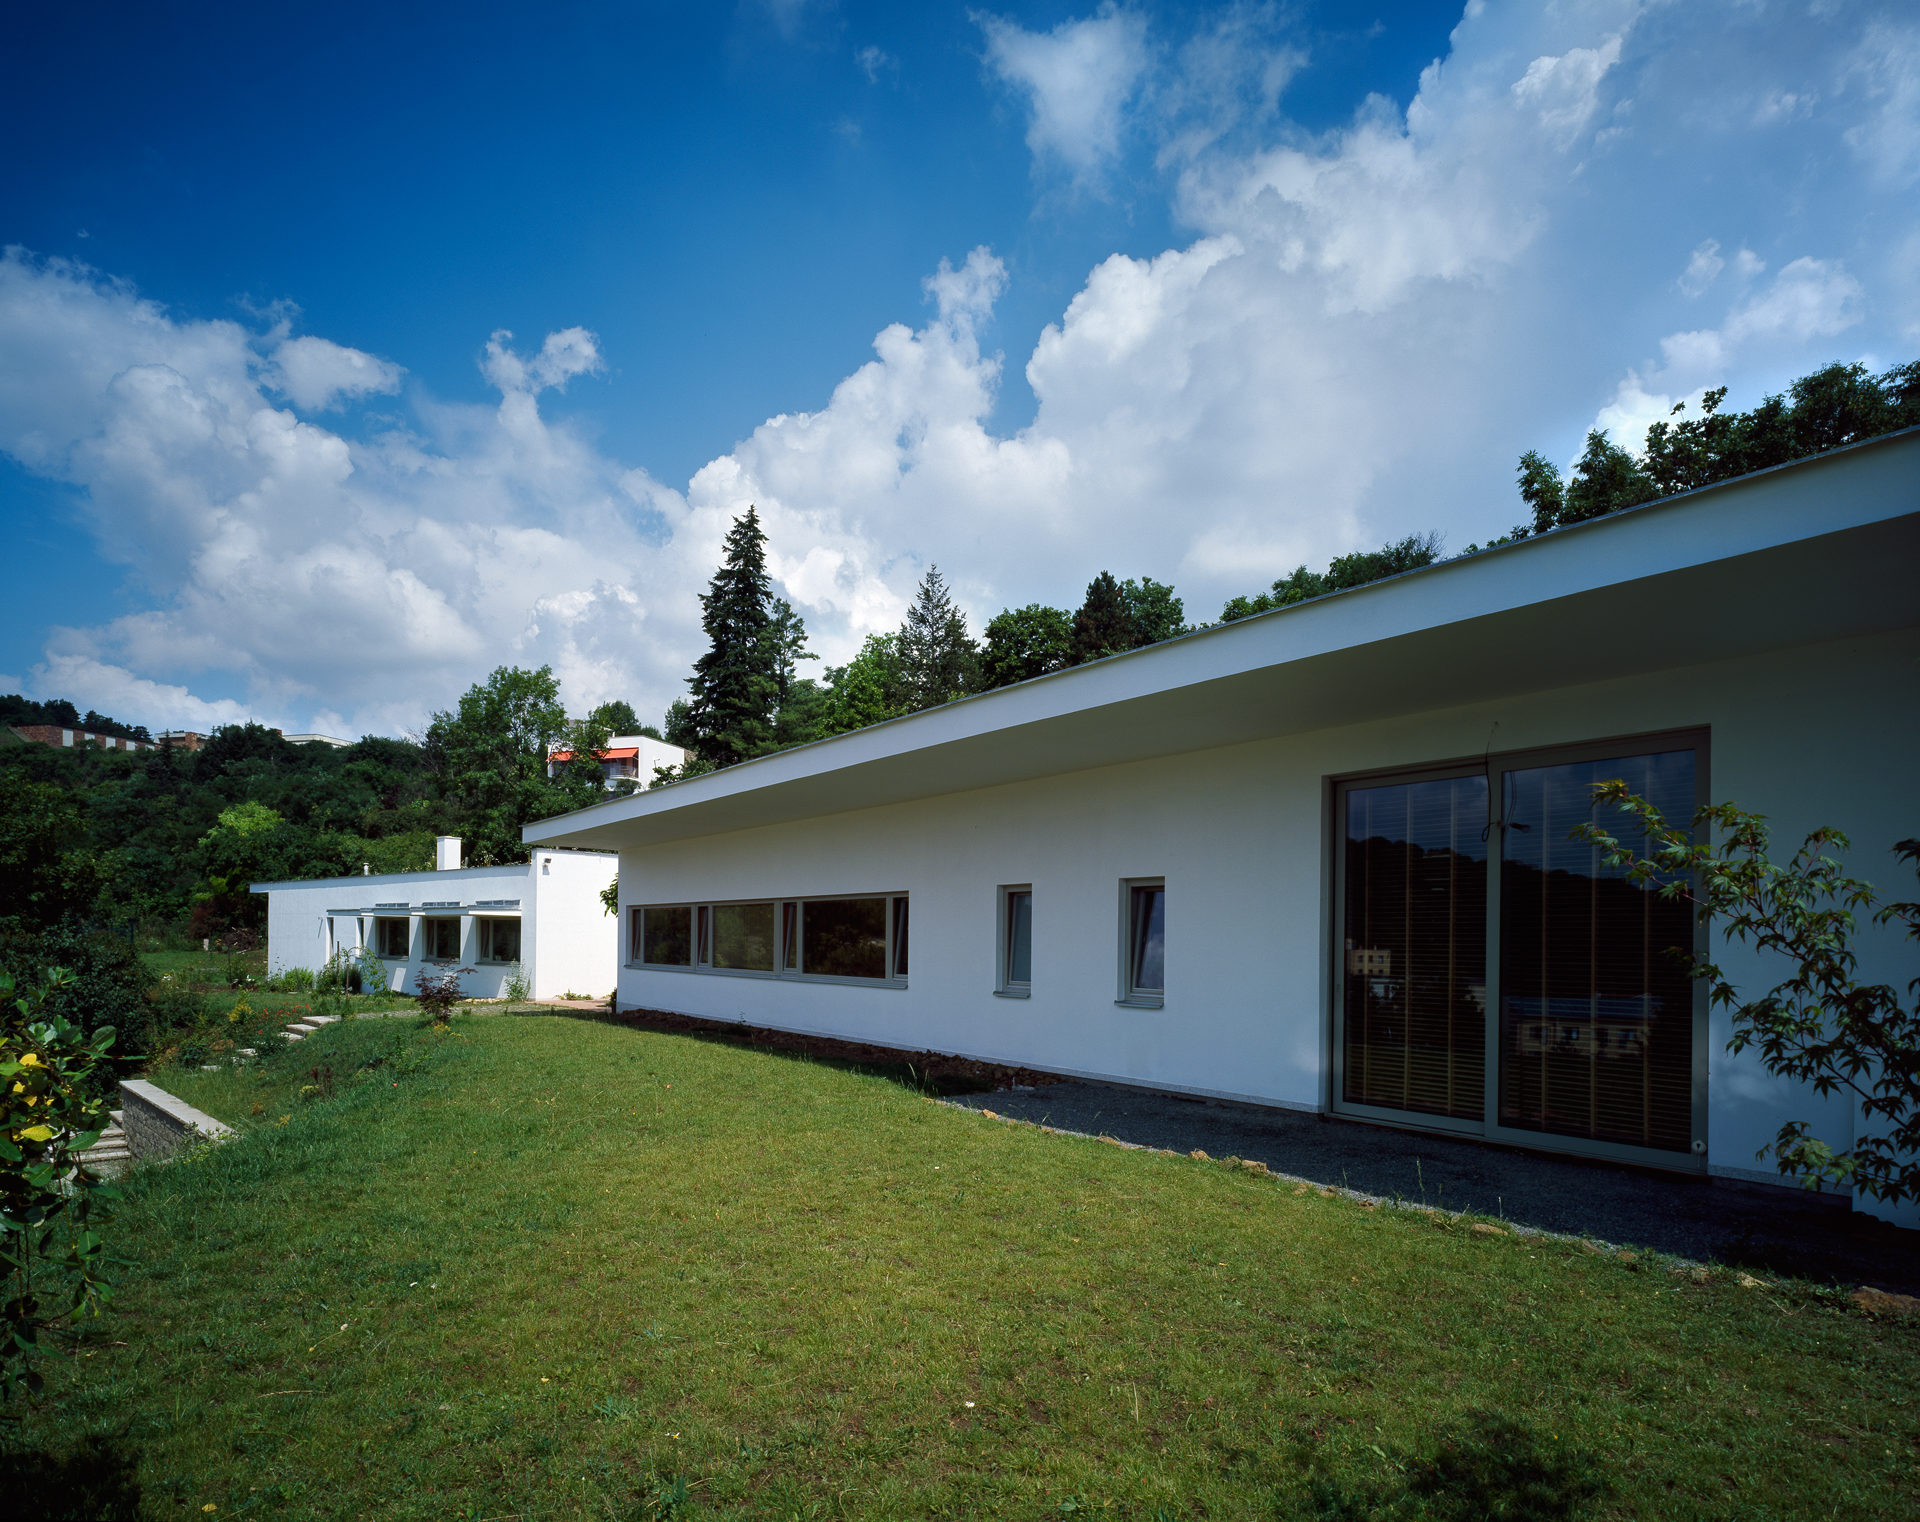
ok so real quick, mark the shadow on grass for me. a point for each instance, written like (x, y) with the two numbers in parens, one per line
(1495, 1468)
(934, 1073)
(91, 1483)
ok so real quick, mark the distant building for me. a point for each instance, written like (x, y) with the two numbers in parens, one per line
(182, 739)
(55, 735)
(627, 758)
(333, 740)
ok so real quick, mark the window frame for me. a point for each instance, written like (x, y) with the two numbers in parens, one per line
(427, 954)
(1131, 995)
(1006, 986)
(481, 932)
(380, 921)
(1494, 766)
(789, 952)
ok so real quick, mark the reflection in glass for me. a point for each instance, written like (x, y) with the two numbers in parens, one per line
(1020, 938)
(1147, 965)
(1415, 975)
(666, 936)
(899, 937)
(743, 936)
(790, 936)
(1596, 1000)
(499, 940)
(844, 937)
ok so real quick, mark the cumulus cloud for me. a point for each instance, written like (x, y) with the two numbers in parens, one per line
(315, 374)
(1356, 334)
(1077, 80)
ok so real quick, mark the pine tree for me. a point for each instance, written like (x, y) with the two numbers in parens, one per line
(938, 659)
(1103, 626)
(735, 686)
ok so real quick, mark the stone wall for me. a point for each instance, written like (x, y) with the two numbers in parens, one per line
(156, 1123)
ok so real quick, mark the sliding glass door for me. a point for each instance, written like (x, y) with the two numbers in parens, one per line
(1415, 947)
(1495, 977)
(1596, 1001)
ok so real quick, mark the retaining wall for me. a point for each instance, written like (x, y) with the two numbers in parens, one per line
(156, 1123)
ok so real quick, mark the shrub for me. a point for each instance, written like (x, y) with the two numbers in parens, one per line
(438, 992)
(1820, 1025)
(293, 980)
(106, 986)
(173, 1009)
(51, 1110)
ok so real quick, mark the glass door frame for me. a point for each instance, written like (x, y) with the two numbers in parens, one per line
(1494, 766)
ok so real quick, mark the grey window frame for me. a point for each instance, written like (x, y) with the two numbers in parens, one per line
(1130, 996)
(426, 936)
(787, 946)
(379, 937)
(1006, 986)
(1494, 766)
(481, 932)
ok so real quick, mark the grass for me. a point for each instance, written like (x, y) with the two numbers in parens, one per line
(215, 972)
(543, 1267)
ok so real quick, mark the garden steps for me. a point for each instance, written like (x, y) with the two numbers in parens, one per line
(110, 1155)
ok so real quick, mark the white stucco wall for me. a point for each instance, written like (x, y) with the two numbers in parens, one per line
(1821, 734)
(572, 940)
(566, 938)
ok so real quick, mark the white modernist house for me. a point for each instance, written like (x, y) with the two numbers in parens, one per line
(1320, 858)
(627, 758)
(542, 916)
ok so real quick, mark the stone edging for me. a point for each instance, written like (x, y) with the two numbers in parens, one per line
(157, 1123)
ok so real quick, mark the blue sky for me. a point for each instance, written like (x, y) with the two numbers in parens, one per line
(1225, 288)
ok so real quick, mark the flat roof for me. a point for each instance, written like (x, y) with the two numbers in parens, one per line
(1819, 549)
(449, 875)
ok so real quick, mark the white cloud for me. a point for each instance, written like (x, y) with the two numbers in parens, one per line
(1886, 66)
(1077, 79)
(1703, 268)
(314, 374)
(1362, 331)
(873, 61)
(1564, 92)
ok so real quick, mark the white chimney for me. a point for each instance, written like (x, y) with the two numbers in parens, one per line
(446, 853)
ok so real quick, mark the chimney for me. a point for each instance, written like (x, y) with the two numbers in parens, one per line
(446, 853)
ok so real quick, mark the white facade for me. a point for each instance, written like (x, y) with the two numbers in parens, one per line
(567, 941)
(628, 758)
(1769, 626)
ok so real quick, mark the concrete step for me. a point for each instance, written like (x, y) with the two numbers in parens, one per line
(322, 1019)
(305, 1027)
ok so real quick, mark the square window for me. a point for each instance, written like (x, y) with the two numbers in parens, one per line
(442, 939)
(392, 939)
(1145, 977)
(664, 937)
(499, 940)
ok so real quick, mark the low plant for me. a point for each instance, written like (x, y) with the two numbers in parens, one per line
(1820, 1025)
(293, 980)
(516, 989)
(438, 992)
(52, 1108)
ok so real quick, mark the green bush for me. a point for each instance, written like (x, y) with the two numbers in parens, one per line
(293, 980)
(106, 989)
(51, 1110)
(174, 1008)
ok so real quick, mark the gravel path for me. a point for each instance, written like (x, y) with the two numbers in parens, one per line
(1760, 1227)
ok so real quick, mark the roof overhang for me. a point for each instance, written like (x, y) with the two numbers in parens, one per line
(1818, 550)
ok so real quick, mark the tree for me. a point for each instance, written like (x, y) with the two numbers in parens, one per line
(735, 686)
(1156, 613)
(46, 872)
(1025, 642)
(53, 1106)
(1343, 573)
(488, 761)
(1820, 1024)
(1827, 409)
(1103, 626)
(868, 689)
(789, 635)
(938, 658)
(617, 717)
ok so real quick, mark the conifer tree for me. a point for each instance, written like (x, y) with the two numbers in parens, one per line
(735, 686)
(1103, 626)
(938, 659)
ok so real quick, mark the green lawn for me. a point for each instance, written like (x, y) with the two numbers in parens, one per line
(547, 1267)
